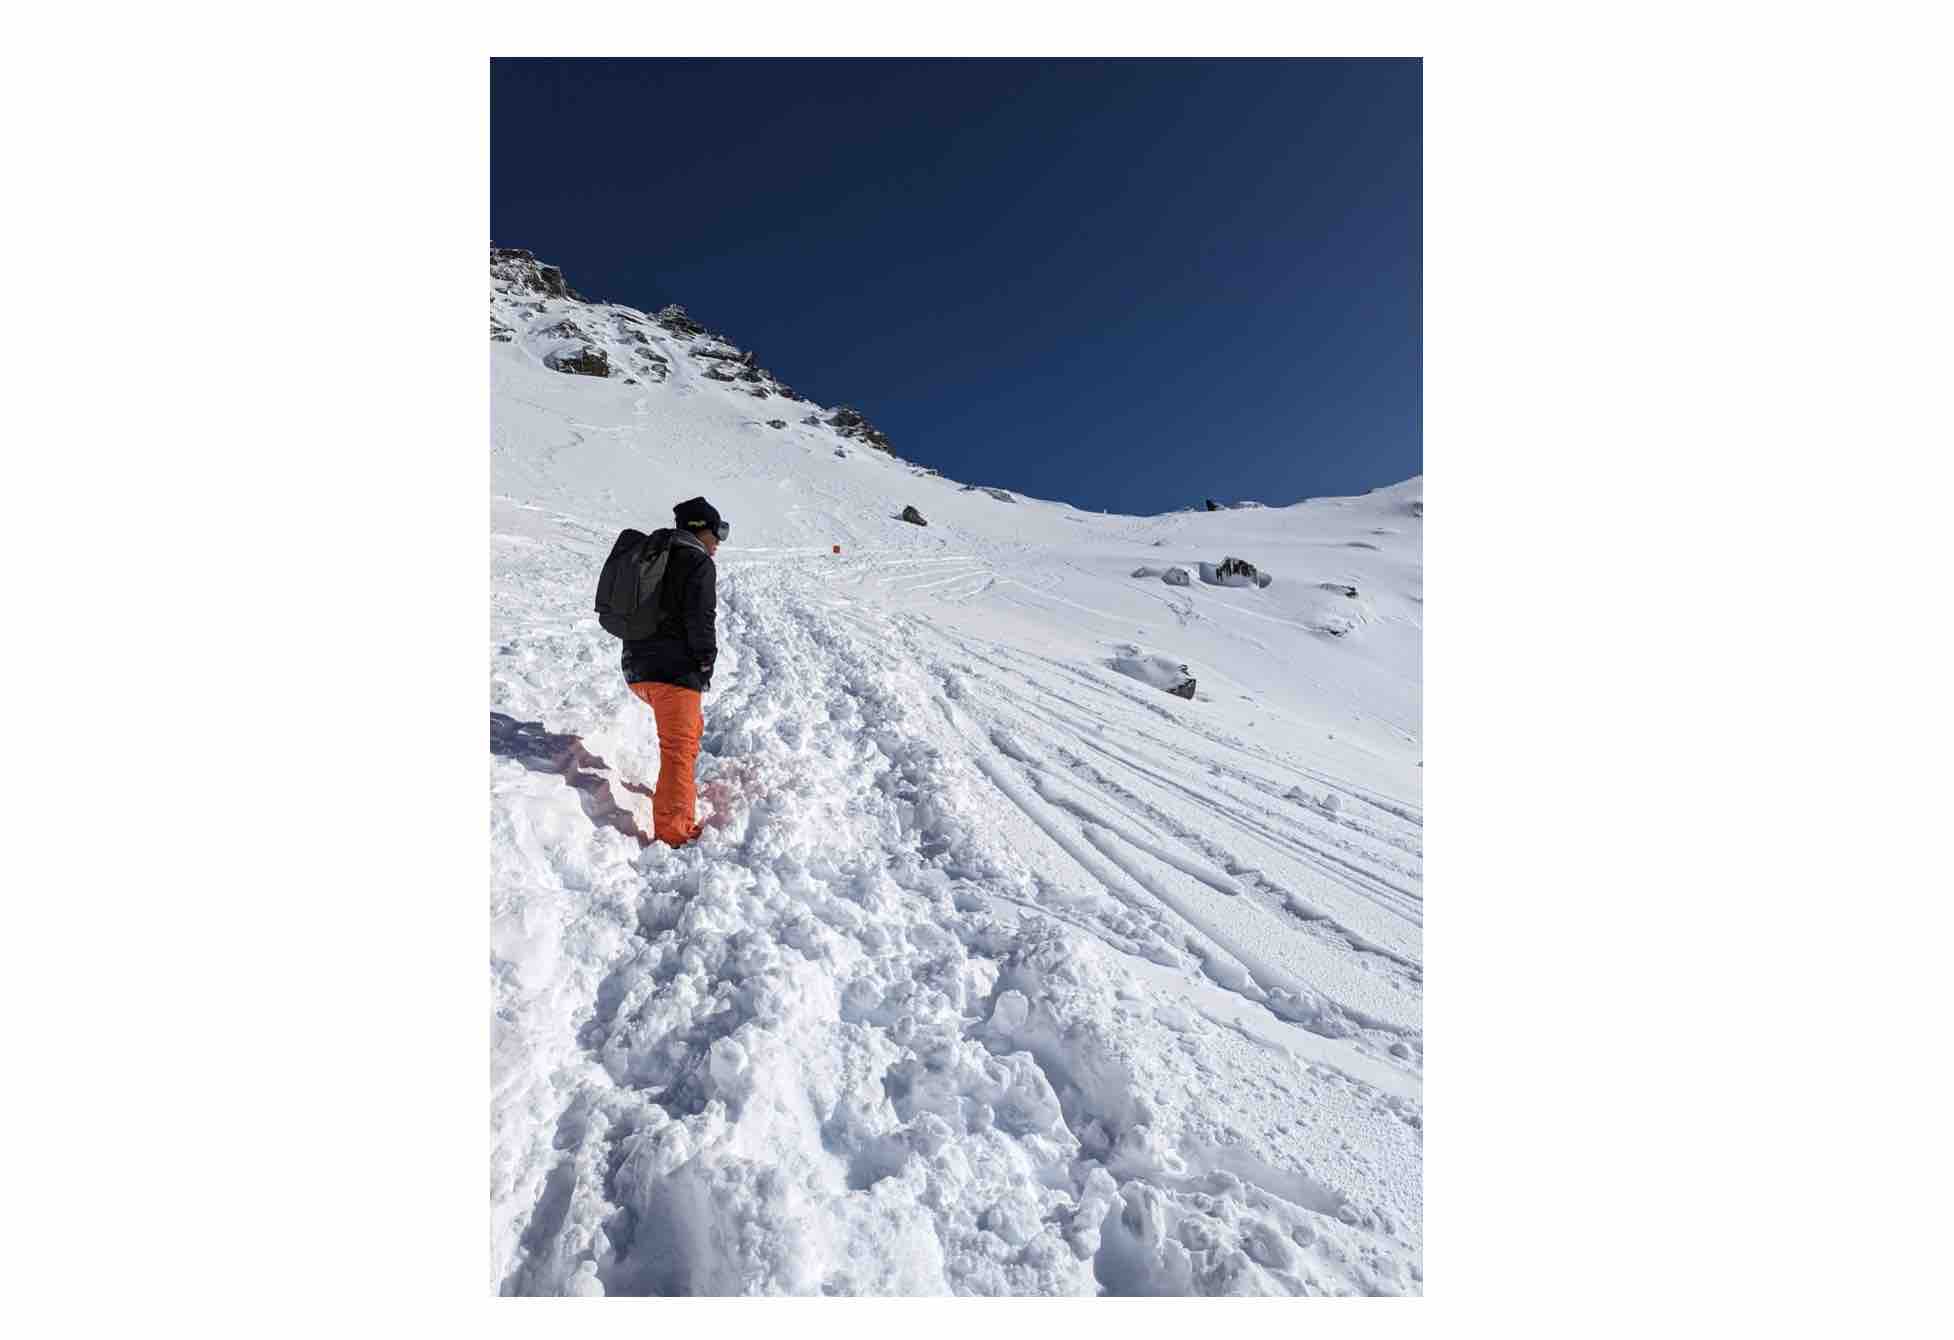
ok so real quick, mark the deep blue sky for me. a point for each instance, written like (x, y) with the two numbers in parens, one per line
(1125, 284)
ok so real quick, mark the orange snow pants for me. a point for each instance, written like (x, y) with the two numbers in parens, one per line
(680, 721)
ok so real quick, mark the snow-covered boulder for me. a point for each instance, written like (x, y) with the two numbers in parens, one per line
(1161, 672)
(913, 517)
(1336, 608)
(1177, 577)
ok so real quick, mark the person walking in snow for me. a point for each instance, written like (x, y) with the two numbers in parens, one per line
(671, 670)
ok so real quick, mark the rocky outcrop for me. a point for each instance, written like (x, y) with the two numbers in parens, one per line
(521, 270)
(776, 423)
(1347, 592)
(583, 361)
(851, 422)
(674, 319)
(913, 517)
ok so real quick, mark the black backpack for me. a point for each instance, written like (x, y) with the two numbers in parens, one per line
(627, 589)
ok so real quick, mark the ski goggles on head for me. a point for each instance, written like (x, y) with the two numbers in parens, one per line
(722, 529)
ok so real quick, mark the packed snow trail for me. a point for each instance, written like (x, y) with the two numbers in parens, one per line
(995, 971)
(873, 1035)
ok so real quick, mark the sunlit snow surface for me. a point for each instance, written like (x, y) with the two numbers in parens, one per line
(998, 969)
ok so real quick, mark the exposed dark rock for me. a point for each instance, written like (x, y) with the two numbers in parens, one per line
(757, 392)
(1000, 494)
(564, 330)
(750, 375)
(498, 331)
(673, 318)
(850, 422)
(1349, 592)
(719, 376)
(1177, 577)
(776, 423)
(522, 271)
(722, 354)
(913, 517)
(1233, 571)
(585, 361)
(1184, 689)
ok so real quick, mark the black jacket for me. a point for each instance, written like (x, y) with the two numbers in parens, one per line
(685, 644)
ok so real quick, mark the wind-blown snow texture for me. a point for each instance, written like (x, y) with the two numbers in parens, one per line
(997, 970)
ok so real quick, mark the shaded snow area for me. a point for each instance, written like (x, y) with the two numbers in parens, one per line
(997, 970)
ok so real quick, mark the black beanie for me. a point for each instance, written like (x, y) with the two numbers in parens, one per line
(695, 512)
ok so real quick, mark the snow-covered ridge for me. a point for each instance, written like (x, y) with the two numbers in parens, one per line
(532, 307)
(999, 969)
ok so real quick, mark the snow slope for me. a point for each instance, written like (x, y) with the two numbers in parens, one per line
(998, 970)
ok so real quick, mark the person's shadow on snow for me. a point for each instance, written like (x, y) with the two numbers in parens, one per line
(530, 744)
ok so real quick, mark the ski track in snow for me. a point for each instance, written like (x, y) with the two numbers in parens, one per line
(994, 972)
